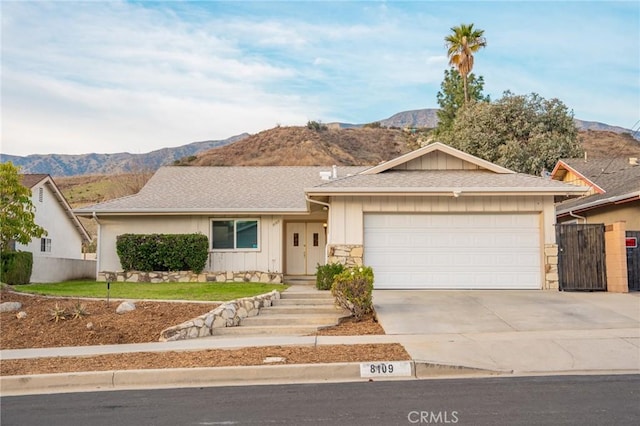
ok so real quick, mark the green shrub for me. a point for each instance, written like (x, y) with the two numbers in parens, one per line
(326, 273)
(316, 125)
(16, 267)
(353, 289)
(162, 252)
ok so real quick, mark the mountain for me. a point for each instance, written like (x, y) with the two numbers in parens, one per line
(416, 118)
(594, 125)
(91, 164)
(340, 144)
(301, 146)
(428, 117)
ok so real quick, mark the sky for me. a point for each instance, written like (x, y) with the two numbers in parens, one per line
(131, 76)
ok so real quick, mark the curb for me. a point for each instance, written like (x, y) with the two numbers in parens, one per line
(215, 376)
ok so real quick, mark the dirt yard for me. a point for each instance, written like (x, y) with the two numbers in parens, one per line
(100, 325)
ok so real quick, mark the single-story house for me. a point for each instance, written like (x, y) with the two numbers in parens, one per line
(57, 256)
(614, 191)
(433, 218)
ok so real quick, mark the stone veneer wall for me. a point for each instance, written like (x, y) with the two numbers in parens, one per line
(190, 277)
(348, 254)
(229, 314)
(551, 278)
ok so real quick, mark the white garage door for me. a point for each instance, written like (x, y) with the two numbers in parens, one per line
(453, 251)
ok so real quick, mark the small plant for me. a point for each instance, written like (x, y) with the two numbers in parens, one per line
(316, 126)
(79, 310)
(58, 313)
(326, 273)
(353, 291)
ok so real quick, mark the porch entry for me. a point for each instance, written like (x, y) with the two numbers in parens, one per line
(305, 247)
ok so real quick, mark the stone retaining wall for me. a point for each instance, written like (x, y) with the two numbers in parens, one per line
(228, 314)
(190, 277)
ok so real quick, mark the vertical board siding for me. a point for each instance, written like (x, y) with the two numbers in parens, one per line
(633, 262)
(581, 261)
(346, 213)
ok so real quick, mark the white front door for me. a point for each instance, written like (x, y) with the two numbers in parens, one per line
(305, 247)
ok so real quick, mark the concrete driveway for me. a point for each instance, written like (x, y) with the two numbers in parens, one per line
(518, 330)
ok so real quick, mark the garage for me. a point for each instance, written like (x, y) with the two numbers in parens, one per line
(453, 251)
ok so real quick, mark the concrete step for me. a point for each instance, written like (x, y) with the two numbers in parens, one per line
(297, 309)
(303, 302)
(299, 330)
(291, 320)
(307, 295)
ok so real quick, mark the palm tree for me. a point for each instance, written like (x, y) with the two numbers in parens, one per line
(462, 44)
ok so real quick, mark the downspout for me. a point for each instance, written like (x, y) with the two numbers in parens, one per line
(572, 214)
(98, 242)
(328, 206)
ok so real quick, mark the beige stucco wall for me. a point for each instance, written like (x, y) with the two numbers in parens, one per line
(267, 259)
(628, 212)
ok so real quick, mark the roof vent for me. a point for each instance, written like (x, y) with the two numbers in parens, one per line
(633, 161)
(334, 172)
(325, 175)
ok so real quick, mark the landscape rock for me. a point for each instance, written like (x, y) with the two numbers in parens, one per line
(125, 307)
(10, 306)
(21, 315)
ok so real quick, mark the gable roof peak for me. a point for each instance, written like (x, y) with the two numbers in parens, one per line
(437, 147)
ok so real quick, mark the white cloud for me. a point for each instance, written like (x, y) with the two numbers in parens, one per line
(109, 76)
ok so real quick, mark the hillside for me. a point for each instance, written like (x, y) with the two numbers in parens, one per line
(300, 146)
(124, 162)
(330, 147)
(608, 144)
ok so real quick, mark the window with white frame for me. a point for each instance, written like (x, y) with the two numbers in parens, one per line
(45, 245)
(234, 234)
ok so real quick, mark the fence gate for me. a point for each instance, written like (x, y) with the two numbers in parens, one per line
(633, 259)
(581, 263)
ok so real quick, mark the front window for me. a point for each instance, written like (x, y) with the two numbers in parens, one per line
(234, 234)
(45, 245)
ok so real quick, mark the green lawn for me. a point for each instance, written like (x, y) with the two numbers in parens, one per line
(165, 291)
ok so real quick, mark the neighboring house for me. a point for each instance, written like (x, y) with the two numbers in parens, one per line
(54, 254)
(433, 218)
(614, 191)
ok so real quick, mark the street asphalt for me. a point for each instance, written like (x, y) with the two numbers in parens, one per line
(446, 333)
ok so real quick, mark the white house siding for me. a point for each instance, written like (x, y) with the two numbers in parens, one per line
(346, 213)
(267, 259)
(66, 241)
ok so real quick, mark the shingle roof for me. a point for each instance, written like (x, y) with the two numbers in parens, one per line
(617, 177)
(222, 189)
(444, 181)
(31, 180)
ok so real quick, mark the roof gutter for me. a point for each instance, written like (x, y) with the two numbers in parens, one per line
(584, 219)
(597, 203)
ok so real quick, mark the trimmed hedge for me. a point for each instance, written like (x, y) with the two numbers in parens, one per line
(16, 267)
(162, 252)
(326, 273)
